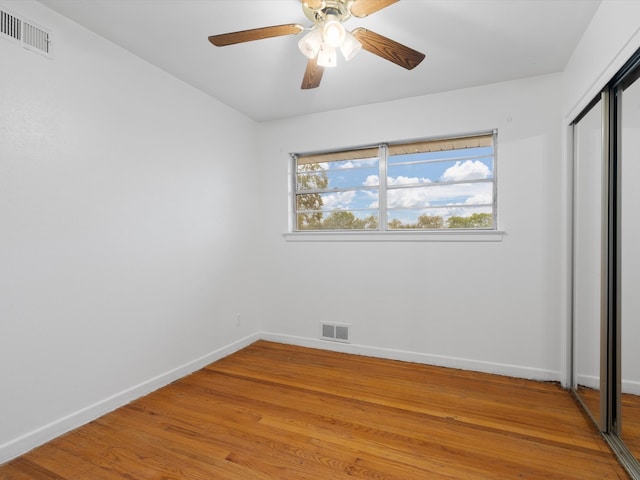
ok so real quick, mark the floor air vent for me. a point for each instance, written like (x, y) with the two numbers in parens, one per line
(25, 33)
(335, 332)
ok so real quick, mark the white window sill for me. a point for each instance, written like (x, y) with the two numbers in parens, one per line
(439, 236)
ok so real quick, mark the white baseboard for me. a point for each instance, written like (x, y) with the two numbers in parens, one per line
(631, 387)
(416, 357)
(589, 381)
(31, 440)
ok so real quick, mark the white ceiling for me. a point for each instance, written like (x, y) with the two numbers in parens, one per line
(466, 42)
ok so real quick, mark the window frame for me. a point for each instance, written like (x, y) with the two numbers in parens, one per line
(383, 233)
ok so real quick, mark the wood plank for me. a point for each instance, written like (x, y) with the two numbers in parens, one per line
(631, 423)
(274, 411)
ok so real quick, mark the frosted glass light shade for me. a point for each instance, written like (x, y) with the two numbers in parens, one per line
(310, 44)
(327, 56)
(350, 46)
(333, 33)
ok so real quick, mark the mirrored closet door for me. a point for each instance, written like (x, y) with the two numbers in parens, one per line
(589, 257)
(606, 263)
(628, 260)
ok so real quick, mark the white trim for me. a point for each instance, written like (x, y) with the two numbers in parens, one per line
(630, 386)
(589, 381)
(410, 236)
(416, 357)
(58, 427)
(622, 56)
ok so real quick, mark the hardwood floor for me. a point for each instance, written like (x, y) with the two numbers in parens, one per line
(273, 411)
(631, 423)
(630, 416)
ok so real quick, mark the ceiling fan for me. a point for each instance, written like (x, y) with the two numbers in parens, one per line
(327, 35)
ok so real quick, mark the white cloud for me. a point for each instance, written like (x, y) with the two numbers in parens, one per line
(371, 181)
(468, 170)
(459, 190)
(340, 200)
(472, 193)
(367, 162)
(409, 198)
(480, 198)
(407, 180)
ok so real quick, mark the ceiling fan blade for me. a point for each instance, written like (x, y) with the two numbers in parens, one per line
(362, 8)
(312, 75)
(312, 4)
(388, 49)
(232, 38)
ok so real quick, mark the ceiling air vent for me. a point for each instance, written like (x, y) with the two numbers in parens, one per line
(24, 32)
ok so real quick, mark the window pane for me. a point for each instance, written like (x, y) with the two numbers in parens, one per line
(347, 200)
(437, 167)
(457, 194)
(338, 191)
(311, 176)
(441, 185)
(441, 218)
(352, 173)
(338, 175)
(351, 209)
(339, 220)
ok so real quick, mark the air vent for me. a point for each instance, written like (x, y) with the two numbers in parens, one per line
(35, 38)
(25, 33)
(335, 332)
(10, 26)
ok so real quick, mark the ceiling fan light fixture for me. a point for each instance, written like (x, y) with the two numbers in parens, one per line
(310, 44)
(350, 46)
(327, 56)
(333, 31)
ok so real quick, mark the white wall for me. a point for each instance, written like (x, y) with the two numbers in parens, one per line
(493, 306)
(124, 252)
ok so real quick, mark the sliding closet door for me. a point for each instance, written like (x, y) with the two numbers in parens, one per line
(606, 263)
(589, 250)
(628, 169)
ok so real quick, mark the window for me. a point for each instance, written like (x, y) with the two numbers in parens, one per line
(430, 185)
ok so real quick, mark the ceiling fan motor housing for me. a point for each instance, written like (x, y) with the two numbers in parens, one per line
(330, 9)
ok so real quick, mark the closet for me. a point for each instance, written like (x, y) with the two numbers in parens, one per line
(606, 262)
